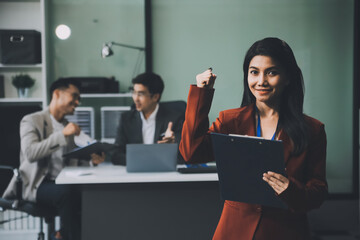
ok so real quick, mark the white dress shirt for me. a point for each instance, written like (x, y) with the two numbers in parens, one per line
(56, 160)
(148, 126)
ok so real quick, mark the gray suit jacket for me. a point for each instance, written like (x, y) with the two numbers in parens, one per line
(38, 142)
(130, 130)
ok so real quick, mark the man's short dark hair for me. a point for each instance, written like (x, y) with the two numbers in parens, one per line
(150, 80)
(63, 83)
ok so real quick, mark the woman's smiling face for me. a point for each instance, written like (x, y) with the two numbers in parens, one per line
(266, 79)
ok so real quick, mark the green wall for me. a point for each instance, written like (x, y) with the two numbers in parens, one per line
(190, 36)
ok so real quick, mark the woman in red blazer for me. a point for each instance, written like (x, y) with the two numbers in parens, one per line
(272, 107)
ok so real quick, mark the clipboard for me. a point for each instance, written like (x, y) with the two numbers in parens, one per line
(241, 162)
(85, 152)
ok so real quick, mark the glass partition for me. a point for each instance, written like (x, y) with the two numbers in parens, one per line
(93, 23)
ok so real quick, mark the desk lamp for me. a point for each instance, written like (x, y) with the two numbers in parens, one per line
(107, 51)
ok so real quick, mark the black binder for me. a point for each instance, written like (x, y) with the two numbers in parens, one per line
(85, 152)
(241, 162)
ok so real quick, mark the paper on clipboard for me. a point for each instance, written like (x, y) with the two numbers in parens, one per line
(241, 162)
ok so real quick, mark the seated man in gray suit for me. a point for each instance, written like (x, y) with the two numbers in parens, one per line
(45, 137)
(150, 121)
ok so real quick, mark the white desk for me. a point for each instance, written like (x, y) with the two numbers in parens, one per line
(107, 173)
(121, 205)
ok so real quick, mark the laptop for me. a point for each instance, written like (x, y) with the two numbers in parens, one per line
(241, 161)
(151, 157)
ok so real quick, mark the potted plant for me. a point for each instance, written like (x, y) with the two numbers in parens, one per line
(23, 82)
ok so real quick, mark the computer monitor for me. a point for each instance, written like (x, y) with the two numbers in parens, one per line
(84, 117)
(110, 120)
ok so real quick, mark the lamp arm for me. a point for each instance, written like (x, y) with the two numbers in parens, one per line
(127, 46)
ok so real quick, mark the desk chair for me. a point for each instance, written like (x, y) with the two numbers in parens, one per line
(9, 163)
(179, 106)
(31, 208)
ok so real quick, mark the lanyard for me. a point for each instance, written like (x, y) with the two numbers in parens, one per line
(258, 130)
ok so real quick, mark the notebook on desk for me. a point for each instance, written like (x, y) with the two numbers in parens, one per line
(241, 162)
(151, 157)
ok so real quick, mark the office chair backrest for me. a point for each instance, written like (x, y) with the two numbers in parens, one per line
(5, 177)
(179, 106)
(10, 138)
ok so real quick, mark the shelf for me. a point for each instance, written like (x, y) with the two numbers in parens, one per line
(20, 1)
(20, 66)
(106, 95)
(20, 100)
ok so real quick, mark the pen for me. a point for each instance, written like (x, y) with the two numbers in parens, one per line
(85, 174)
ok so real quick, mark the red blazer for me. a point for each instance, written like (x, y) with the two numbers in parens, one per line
(306, 172)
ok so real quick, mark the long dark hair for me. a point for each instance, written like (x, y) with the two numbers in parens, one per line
(291, 117)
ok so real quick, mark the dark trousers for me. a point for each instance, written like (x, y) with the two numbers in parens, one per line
(66, 199)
